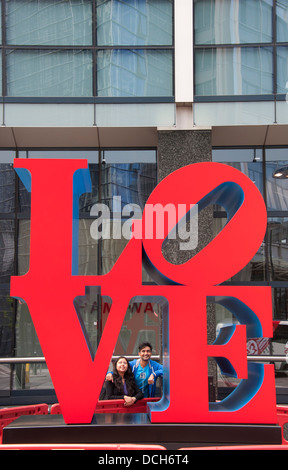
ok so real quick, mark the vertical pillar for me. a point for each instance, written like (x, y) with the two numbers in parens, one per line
(177, 149)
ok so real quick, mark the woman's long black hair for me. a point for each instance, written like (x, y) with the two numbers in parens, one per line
(128, 376)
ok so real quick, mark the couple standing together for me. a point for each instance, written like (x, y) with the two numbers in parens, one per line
(133, 380)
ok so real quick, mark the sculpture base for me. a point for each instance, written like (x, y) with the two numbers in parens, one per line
(135, 429)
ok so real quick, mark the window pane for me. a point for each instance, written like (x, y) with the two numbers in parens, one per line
(237, 71)
(0, 23)
(24, 200)
(282, 20)
(280, 309)
(7, 156)
(237, 155)
(255, 270)
(277, 189)
(133, 183)
(134, 22)
(276, 154)
(7, 188)
(142, 322)
(233, 21)
(134, 73)
(50, 22)
(249, 162)
(1, 72)
(282, 69)
(7, 250)
(252, 169)
(130, 156)
(6, 331)
(88, 264)
(49, 73)
(90, 155)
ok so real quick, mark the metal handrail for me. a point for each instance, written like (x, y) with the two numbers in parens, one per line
(268, 358)
(33, 360)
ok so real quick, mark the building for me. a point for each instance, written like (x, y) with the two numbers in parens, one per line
(139, 88)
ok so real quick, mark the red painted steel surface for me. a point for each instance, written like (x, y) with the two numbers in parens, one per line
(77, 376)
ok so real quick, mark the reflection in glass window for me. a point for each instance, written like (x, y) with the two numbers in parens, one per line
(277, 237)
(7, 156)
(24, 199)
(23, 259)
(142, 322)
(255, 271)
(87, 200)
(90, 155)
(277, 189)
(7, 188)
(282, 20)
(7, 250)
(130, 156)
(134, 73)
(88, 254)
(282, 70)
(132, 182)
(233, 21)
(6, 328)
(254, 171)
(134, 23)
(49, 73)
(1, 74)
(75, 66)
(130, 174)
(249, 164)
(237, 155)
(280, 308)
(49, 22)
(234, 71)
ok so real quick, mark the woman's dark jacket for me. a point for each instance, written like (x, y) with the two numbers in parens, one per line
(114, 393)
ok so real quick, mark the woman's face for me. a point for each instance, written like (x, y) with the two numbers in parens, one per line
(122, 365)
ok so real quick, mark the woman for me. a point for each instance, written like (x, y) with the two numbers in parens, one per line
(123, 385)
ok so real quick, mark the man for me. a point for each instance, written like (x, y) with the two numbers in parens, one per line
(145, 370)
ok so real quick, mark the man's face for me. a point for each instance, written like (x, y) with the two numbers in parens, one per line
(145, 353)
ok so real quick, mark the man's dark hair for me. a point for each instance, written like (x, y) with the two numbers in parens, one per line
(144, 345)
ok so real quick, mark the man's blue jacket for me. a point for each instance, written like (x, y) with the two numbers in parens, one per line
(155, 368)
